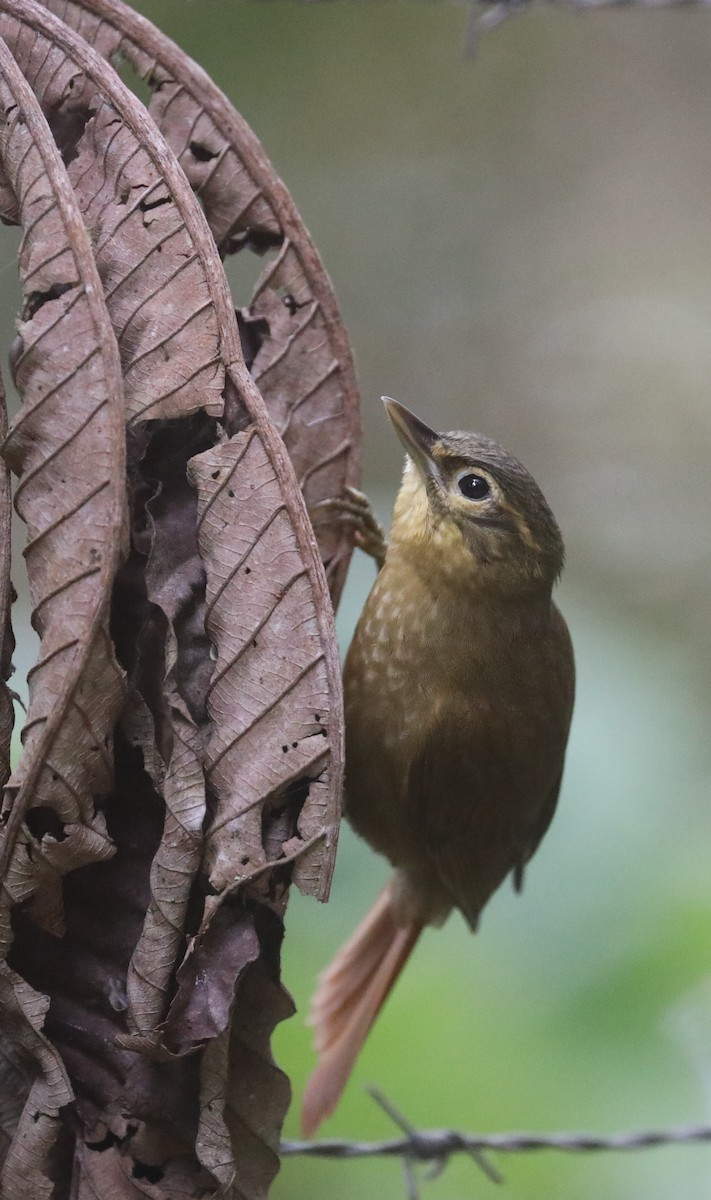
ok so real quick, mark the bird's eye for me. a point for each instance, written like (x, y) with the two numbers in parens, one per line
(474, 487)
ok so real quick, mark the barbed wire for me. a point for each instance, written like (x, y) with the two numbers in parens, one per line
(437, 1146)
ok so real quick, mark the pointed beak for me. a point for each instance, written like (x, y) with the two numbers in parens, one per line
(417, 438)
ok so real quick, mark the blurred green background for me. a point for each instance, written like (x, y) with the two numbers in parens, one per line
(522, 245)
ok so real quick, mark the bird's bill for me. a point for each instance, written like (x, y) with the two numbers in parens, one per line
(417, 438)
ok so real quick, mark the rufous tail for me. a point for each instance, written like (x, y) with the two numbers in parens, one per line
(350, 994)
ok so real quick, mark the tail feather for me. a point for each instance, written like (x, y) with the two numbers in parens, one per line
(349, 997)
(343, 980)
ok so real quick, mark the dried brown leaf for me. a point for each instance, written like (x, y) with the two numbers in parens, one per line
(15, 1084)
(261, 1003)
(175, 656)
(239, 1127)
(208, 979)
(23, 1016)
(295, 341)
(173, 869)
(67, 446)
(83, 973)
(155, 286)
(147, 993)
(111, 1173)
(68, 75)
(8, 202)
(230, 994)
(132, 1029)
(269, 698)
(7, 641)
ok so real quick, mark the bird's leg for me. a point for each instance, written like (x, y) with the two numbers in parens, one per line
(354, 509)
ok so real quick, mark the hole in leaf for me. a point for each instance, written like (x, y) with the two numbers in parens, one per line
(291, 304)
(124, 68)
(252, 333)
(147, 205)
(258, 240)
(147, 1172)
(43, 821)
(35, 300)
(116, 994)
(202, 152)
(244, 269)
(105, 1143)
(280, 816)
(67, 123)
(297, 794)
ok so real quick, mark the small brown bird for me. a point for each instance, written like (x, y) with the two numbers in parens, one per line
(458, 696)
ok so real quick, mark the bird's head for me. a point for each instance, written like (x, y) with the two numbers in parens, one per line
(473, 506)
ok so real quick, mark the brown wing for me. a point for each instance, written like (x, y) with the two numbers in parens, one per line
(483, 795)
(537, 833)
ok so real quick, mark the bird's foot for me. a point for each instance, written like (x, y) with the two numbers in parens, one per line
(354, 509)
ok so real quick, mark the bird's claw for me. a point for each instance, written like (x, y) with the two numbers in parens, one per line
(353, 508)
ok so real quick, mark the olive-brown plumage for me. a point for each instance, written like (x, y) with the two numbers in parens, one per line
(458, 695)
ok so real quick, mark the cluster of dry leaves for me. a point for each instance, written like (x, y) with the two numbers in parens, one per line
(182, 751)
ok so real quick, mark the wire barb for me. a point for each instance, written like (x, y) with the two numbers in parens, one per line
(437, 1145)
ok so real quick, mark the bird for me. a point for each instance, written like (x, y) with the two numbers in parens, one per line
(458, 694)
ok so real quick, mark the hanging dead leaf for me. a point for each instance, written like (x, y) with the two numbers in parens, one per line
(260, 1004)
(268, 697)
(294, 338)
(24, 1169)
(66, 445)
(157, 970)
(186, 388)
(7, 642)
(69, 78)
